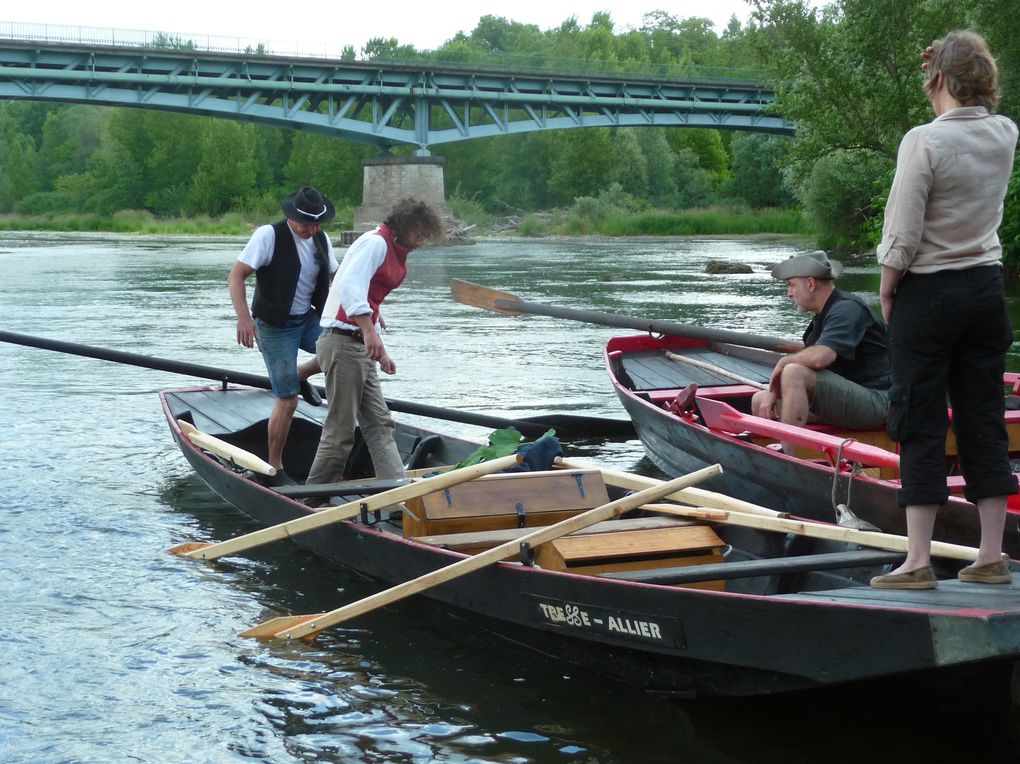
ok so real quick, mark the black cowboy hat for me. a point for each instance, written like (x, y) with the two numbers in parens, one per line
(308, 205)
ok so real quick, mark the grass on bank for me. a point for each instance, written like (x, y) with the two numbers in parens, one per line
(585, 218)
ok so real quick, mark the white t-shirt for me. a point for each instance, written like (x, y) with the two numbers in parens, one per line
(259, 251)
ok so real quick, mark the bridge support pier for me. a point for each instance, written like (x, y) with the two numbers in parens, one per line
(388, 179)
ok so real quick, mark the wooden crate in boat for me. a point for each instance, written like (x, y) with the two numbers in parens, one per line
(635, 550)
(512, 500)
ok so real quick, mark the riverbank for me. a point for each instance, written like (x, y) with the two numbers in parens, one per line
(463, 223)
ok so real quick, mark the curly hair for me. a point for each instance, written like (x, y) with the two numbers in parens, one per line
(972, 77)
(410, 213)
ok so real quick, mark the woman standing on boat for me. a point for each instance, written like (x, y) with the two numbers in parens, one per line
(942, 296)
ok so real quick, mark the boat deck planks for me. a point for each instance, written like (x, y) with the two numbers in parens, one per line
(222, 413)
(950, 595)
(653, 370)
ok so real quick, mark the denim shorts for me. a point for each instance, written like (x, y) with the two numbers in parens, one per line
(280, 346)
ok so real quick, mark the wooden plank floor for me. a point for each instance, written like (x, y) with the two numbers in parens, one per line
(218, 413)
(654, 371)
(951, 594)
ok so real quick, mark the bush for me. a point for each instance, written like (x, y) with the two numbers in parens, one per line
(47, 203)
(469, 211)
(839, 197)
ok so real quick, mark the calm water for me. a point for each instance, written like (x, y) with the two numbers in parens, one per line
(112, 650)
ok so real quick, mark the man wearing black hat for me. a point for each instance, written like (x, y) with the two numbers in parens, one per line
(293, 263)
(841, 377)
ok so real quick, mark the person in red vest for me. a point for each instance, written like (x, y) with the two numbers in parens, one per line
(350, 347)
(293, 262)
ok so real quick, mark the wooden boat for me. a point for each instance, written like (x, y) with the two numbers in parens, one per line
(674, 606)
(690, 399)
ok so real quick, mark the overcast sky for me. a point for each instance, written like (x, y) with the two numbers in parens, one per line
(329, 26)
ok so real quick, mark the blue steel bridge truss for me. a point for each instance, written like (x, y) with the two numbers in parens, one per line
(382, 103)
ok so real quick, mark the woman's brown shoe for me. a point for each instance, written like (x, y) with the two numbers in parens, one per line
(992, 573)
(922, 578)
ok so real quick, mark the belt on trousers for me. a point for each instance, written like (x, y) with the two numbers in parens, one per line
(354, 333)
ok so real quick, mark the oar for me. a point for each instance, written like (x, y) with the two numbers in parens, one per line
(695, 496)
(304, 626)
(204, 551)
(566, 425)
(873, 539)
(715, 370)
(722, 416)
(511, 305)
(239, 456)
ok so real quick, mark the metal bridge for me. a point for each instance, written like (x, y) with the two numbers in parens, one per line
(384, 103)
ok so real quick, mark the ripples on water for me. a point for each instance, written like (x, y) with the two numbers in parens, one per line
(112, 650)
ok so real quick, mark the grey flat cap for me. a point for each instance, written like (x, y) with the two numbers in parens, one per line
(815, 265)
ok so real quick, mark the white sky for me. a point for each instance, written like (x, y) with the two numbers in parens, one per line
(424, 24)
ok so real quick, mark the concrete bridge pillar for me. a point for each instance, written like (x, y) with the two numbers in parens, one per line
(387, 179)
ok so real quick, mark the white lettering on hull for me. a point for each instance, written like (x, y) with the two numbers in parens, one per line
(576, 616)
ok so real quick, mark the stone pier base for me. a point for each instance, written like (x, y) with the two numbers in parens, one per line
(388, 179)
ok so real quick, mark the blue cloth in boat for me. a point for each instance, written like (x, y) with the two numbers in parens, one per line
(539, 455)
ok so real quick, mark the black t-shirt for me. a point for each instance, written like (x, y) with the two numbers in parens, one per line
(849, 327)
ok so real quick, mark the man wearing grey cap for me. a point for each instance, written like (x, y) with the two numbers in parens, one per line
(841, 377)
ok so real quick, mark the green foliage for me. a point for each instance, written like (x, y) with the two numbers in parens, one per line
(839, 196)
(85, 164)
(757, 170)
(468, 211)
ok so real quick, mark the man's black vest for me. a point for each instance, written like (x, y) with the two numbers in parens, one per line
(276, 282)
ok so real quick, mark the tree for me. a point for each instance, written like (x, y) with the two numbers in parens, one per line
(629, 165)
(226, 168)
(757, 170)
(580, 163)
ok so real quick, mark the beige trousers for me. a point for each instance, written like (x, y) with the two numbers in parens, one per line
(355, 397)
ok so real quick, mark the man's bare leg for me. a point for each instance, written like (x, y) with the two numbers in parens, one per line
(279, 428)
(798, 383)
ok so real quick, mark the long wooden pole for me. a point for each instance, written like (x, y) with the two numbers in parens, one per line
(567, 425)
(509, 304)
(693, 495)
(304, 626)
(874, 539)
(715, 370)
(202, 551)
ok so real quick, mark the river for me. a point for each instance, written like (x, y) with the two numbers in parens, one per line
(113, 650)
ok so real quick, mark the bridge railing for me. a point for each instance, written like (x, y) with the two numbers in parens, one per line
(475, 60)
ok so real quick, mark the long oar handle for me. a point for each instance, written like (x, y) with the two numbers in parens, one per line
(874, 539)
(297, 627)
(695, 496)
(565, 423)
(503, 302)
(351, 509)
(715, 370)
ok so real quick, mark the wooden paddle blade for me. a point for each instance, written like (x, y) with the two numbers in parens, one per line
(276, 628)
(190, 546)
(483, 297)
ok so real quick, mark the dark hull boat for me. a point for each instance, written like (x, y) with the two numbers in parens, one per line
(690, 415)
(748, 612)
